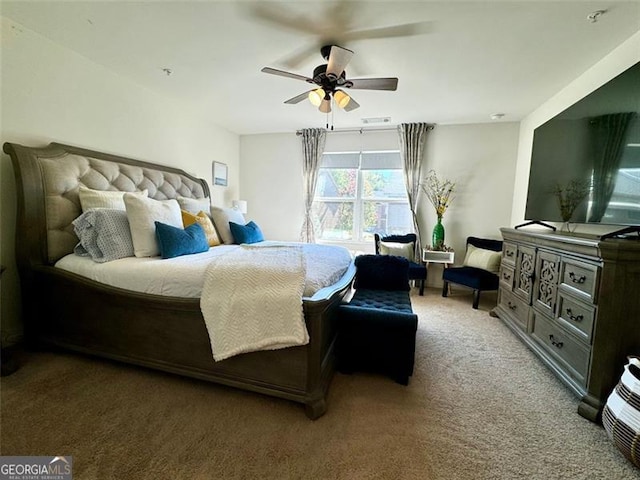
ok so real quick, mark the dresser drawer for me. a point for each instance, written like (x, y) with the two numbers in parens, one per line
(581, 277)
(570, 354)
(507, 274)
(517, 309)
(509, 253)
(577, 316)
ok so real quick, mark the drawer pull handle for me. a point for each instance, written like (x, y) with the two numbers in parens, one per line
(576, 279)
(554, 343)
(512, 306)
(575, 318)
(509, 253)
(506, 276)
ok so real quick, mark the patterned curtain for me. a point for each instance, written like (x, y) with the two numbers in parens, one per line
(313, 140)
(607, 133)
(413, 138)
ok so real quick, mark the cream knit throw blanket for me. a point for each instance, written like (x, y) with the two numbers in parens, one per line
(252, 300)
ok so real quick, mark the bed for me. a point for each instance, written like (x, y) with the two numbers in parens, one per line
(72, 311)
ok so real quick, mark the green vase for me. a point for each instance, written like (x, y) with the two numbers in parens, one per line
(437, 239)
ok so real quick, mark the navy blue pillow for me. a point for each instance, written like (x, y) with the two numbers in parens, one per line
(249, 233)
(174, 241)
(382, 272)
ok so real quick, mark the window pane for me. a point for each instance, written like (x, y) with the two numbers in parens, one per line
(336, 182)
(383, 184)
(386, 218)
(334, 220)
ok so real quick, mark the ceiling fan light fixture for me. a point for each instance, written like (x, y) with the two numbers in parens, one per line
(341, 98)
(327, 77)
(316, 97)
(325, 106)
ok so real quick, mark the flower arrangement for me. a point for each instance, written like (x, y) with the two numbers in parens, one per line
(439, 192)
(569, 196)
(439, 248)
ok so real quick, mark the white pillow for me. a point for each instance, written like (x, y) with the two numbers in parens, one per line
(222, 217)
(398, 249)
(104, 198)
(142, 214)
(194, 205)
(481, 258)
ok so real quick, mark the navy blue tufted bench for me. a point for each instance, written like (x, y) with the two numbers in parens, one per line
(377, 328)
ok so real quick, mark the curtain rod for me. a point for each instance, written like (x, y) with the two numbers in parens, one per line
(362, 130)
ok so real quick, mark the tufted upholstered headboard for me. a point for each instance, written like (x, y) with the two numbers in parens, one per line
(48, 180)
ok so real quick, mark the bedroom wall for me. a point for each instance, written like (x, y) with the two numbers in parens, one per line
(480, 158)
(623, 57)
(50, 93)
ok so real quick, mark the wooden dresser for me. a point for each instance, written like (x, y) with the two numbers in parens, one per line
(575, 301)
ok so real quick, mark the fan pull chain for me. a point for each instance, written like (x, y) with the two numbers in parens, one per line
(332, 107)
(332, 110)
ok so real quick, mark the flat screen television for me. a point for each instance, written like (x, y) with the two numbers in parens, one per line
(585, 163)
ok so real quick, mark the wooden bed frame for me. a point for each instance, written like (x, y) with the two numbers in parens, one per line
(165, 333)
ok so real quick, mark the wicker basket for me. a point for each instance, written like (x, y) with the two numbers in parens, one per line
(621, 414)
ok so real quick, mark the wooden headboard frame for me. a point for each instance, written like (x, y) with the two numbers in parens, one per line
(48, 179)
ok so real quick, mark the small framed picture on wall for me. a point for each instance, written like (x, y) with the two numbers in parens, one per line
(220, 173)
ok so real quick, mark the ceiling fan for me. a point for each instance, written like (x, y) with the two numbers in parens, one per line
(336, 25)
(329, 80)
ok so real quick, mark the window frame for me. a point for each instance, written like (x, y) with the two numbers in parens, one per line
(359, 200)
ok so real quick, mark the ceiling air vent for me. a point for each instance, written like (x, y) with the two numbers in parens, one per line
(370, 120)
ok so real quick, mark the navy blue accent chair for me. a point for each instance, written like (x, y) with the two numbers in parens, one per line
(475, 278)
(417, 271)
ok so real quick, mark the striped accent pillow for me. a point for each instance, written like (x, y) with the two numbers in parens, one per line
(621, 414)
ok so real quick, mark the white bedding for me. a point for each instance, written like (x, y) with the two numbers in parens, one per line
(184, 276)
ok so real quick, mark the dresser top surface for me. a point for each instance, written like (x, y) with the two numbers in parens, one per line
(587, 244)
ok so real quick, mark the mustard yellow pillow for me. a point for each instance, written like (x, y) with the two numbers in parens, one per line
(205, 222)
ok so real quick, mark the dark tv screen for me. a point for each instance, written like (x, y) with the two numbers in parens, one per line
(585, 161)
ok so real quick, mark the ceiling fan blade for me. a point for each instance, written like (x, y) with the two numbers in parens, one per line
(298, 57)
(283, 18)
(352, 105)
(373, 83)
(298, 98)
(338, 60)
(406, 30)
(282, 73)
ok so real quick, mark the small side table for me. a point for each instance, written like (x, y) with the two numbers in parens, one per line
(437, 256)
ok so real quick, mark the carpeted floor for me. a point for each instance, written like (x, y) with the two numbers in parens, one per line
(479, 406)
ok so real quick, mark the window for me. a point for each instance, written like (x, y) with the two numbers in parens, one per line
(359, 194)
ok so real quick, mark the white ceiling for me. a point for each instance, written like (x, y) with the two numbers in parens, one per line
(480, 58)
